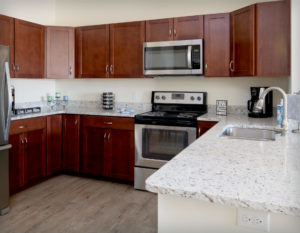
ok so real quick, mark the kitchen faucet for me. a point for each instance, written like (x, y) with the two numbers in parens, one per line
(260, 103)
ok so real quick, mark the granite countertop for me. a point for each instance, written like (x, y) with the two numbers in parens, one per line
(262, 175)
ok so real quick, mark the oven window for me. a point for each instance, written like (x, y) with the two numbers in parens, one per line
(166, 58)
(163, 144)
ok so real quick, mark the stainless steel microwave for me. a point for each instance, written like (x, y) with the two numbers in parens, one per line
(181, 57)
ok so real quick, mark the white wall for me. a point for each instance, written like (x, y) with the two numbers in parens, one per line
(236, 90)
(295, 50)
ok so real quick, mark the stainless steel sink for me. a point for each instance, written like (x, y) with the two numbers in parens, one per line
(250, 133)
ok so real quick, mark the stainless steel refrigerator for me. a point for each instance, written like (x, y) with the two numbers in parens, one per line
(5, 114)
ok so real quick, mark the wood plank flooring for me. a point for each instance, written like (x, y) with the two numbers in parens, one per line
(74, 204)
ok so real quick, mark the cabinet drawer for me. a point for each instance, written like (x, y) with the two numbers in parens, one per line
(125, 123)
(20, 126)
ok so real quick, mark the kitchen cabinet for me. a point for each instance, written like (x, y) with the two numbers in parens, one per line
(92, 51)
(7, 38)
(29, 50)
(108, 146)
(181, 28)
(273, 38)
(204, 126)
(71, 128)
(217, 45)
(126, 49)
(28, 155)
(243, 50)
(60, 52)
(54, 144)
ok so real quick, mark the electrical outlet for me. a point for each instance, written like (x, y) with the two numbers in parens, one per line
(254, 219)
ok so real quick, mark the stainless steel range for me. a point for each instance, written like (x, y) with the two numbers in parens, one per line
(162, 133)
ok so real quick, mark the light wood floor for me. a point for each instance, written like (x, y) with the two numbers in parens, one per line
(73, 204)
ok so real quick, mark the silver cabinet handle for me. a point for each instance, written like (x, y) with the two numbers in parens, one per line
(106, 68)
(111, 69)
(76, 122)
(22, 141)
(70, 70)
(107, 123)
(13, 67)
(104, 136)
(17, 67)
(26, 140)
(108, 137)
(174, 32)
(231, 66)
(170, 32)
(199, 132)
(206, 67)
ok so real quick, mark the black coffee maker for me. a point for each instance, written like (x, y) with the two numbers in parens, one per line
(267, 110)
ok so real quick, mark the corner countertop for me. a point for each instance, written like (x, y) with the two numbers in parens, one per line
(262, 175)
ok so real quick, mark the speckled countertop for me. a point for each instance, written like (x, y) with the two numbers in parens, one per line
(262, 175)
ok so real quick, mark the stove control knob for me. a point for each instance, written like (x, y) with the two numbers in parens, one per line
(157, 97)
(199, 98)
(192, 98)
(163, 97)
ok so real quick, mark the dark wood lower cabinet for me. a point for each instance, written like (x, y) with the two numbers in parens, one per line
(204, 126)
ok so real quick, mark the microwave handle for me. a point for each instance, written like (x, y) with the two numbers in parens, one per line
(189, 57)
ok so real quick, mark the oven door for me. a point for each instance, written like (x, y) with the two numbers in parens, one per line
(157, 144)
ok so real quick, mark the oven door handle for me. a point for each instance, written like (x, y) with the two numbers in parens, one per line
(189, 57)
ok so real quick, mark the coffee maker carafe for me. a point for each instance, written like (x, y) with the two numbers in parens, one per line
(267, 110)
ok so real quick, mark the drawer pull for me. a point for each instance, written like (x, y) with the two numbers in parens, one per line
(21, 127)
(107, 123)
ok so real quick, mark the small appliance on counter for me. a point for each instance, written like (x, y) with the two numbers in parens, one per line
(267, 110)
(108, 100)
(165, 131)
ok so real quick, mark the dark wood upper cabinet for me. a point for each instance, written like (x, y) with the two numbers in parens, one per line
(7, 38)
(217, 45)
(29, 49)
(187, 28)
(54, 144)
(71, 139)
(273, 38)
(159, 30)
(92, 51)
(126, 49)
(243, 49)
(59, 52)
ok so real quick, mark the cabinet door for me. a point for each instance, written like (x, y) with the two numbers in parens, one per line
(243, 42)
(217, 45)
(159, 30)
(187, 28)
(54, 143)
(29, 49)
(273, 38)
(204, 126)
(59, 52)
(35, 155)
(92, 51)
(7, 38)
(126, 49)
(71, 143)
(93, 147)
(123, 154)
(16, 167)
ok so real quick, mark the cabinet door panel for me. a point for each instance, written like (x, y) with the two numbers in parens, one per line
(126, 49)
(7, 38)
(35, 155)
(204, 126)
(60, 52)
(243, 41)
(92, 51)
(94, 150)
(217, 45)
(15, 163)
(29, 49)
(54, 143)
(273, 39)
(187, 28)
(123, 154)
(159, 30)
(71, 143)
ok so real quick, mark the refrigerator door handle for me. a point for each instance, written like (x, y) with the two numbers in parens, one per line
(8, 115)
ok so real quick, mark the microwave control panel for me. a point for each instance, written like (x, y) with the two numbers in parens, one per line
(178, 98)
